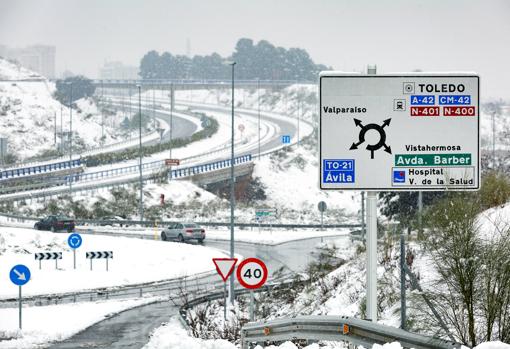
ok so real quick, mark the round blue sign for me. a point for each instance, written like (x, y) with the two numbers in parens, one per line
(20, 275)
(74, 240)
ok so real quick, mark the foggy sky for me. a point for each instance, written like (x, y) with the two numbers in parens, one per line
(397, 35)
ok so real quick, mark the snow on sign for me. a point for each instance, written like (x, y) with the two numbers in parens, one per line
(224, 266)
(399, 131)
(252, 273)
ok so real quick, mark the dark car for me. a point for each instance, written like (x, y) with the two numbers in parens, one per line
(183, 232)
(55, 223)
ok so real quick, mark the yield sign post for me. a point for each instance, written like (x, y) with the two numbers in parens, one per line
(225, 267)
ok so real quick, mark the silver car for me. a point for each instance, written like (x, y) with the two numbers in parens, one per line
(183, 232)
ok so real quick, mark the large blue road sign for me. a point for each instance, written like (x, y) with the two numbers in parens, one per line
(74, 240)
(20, 275)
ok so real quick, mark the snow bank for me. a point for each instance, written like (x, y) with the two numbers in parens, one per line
(37, 330)
(134, 261)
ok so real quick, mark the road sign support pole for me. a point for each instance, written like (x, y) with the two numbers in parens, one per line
(371, 256)
(363, 230)
(91, 264)
(106, 264)
(252, 306)
(420, 210)
(39, 264)
(402, 283)
(74, 258)
(56, 264)
(20, 303)
(225, 302)
(322, 220)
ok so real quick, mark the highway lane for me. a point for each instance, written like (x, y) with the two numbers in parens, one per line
(131, 329)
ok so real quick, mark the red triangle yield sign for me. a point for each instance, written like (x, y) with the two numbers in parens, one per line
(225, 266)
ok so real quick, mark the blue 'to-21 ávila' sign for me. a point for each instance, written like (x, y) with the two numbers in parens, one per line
(20, 275)
(338, 171)
(74, 240)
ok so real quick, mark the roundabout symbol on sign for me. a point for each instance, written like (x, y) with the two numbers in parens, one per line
(252, 273)
(382, 137)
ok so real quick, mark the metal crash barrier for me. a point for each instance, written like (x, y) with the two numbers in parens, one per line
(336, 328)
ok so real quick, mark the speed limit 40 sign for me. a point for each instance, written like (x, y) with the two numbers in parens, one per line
(252, 273)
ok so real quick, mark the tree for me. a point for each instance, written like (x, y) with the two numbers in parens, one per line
(472, 264)
(254, 61)
(81, 87)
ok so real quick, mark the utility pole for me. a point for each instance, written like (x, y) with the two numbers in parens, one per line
(232, 192)
(140, 149)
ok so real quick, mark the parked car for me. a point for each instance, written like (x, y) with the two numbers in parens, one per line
(183, 232)
(55, 223)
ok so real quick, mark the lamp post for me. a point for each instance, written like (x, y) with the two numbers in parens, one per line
(171, 96)
(140, 148)
(232, 191)
(71, 139)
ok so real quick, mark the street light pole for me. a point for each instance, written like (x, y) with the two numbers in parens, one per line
(258, 102)
(171, 95)
(140, 148)
(232, 191)
(71, 140)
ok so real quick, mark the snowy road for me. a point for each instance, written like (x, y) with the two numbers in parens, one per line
(127, 330)
(131, 329)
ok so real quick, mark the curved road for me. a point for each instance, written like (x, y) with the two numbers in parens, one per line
(131, 329)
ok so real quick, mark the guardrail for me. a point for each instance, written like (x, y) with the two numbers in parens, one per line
(336, 328)
(99, 222)
(153, 166)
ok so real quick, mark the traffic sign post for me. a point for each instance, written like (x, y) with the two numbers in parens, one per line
(225, 267)
(322, 208)
(397, 132)
(252, 273)
(97, 255)
(19, 276)
(74, 241)
(265, 212)
(48, 255)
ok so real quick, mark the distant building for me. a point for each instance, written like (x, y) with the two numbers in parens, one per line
(117, 70)
(39, 58)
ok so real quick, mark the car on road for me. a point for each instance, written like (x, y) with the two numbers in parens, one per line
(55, 223)
(183, 232)
(113, 221)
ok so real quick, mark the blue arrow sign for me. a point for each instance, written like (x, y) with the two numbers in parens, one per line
(74, 240)
(20, 275)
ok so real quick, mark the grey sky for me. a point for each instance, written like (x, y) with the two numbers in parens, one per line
(398, 35)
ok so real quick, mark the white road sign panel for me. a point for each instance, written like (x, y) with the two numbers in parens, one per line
(399, 132)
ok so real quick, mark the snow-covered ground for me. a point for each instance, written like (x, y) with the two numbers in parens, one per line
(28, 111)
(66, 320)
(173, 336)
(135, 261)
